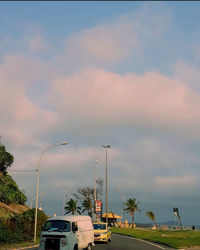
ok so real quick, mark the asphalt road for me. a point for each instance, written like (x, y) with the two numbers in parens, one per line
(120, 242)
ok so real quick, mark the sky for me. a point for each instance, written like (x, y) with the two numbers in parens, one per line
(96, 73)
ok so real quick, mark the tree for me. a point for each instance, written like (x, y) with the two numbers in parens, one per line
(72, 207)
(131, 207)
(176, 213)
(87, 206)
(151, 216)
(99, 182)
(6, 159)
(86, 194)
(9, 191)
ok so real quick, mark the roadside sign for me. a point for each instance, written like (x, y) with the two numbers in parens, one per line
(98, 206)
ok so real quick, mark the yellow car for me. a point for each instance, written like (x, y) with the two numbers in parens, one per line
(102, 232)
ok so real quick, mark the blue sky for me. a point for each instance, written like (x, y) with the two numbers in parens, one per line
(94, 73)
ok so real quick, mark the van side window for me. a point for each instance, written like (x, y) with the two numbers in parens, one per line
(74, 226)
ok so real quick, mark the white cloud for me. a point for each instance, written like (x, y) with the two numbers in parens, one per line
(188, 74)
(37, 44)
(101, 98)
(175, 181)
(22, 121)
(107, 44)
(117, 40)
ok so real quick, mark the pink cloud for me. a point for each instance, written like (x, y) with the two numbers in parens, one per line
(37, 44)
(187, 180)
(107, 44)
(188, 74)
(22, 121)
(20, 70)
(100, 97)
(118, 39)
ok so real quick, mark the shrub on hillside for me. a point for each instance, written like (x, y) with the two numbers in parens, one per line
(9, 191)
(6, 236)
(20, 228)
(6, 159)
(24, 223)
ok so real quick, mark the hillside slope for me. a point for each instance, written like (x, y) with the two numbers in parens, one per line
(7, 211)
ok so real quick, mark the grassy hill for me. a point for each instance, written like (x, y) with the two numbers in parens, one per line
(12, 199)
(8, 211)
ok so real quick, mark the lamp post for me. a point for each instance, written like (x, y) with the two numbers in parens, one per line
(41, 195)
(123, 201)
(37, 185)
(95, 190)
(106, 147)
(41, 199)
(65, 194)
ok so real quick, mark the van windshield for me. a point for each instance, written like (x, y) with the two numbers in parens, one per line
(57, 225)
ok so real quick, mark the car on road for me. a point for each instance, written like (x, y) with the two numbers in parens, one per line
(102, 232)
(67, 233)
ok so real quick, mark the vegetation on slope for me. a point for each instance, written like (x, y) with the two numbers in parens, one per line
(9, 191)
(20, 228)
(6, 159)
(16, 219)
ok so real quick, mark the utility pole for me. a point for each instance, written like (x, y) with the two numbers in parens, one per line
(64, 196)
(95, 190)
(106, 147)
(37, 184)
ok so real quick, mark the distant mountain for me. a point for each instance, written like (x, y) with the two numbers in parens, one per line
(144, 225)
(168, 223)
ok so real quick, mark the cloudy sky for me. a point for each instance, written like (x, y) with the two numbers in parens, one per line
(93, 73)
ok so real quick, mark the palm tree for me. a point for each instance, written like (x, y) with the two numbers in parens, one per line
(87, 205)
(131, 207)
(152, 217)
(72, 207)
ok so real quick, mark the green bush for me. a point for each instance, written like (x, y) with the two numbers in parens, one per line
(6, 159)
(20, 228)
(9, 191)
(5, 234)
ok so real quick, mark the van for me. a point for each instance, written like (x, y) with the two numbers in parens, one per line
(67, 233)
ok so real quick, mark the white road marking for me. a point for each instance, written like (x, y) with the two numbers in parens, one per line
(129, 237)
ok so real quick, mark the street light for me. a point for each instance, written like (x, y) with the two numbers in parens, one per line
(41, 199)
(95, 190)
(106, 147)
(41, 194)
(37, 185)
(123, 201)
(64, 196)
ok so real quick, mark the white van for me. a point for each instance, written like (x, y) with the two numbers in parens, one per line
(67, 233)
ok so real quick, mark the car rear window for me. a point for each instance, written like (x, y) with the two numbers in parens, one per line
(99, 226)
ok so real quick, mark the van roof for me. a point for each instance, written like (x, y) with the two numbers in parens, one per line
(71, 218)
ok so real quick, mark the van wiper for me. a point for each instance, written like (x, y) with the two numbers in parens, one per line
(55, 229)
(52, 229)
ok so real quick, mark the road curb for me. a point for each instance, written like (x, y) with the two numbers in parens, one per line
(20, 248)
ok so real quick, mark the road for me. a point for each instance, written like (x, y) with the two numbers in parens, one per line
(120, 242)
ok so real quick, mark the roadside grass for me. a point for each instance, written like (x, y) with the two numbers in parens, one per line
(175, 239)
